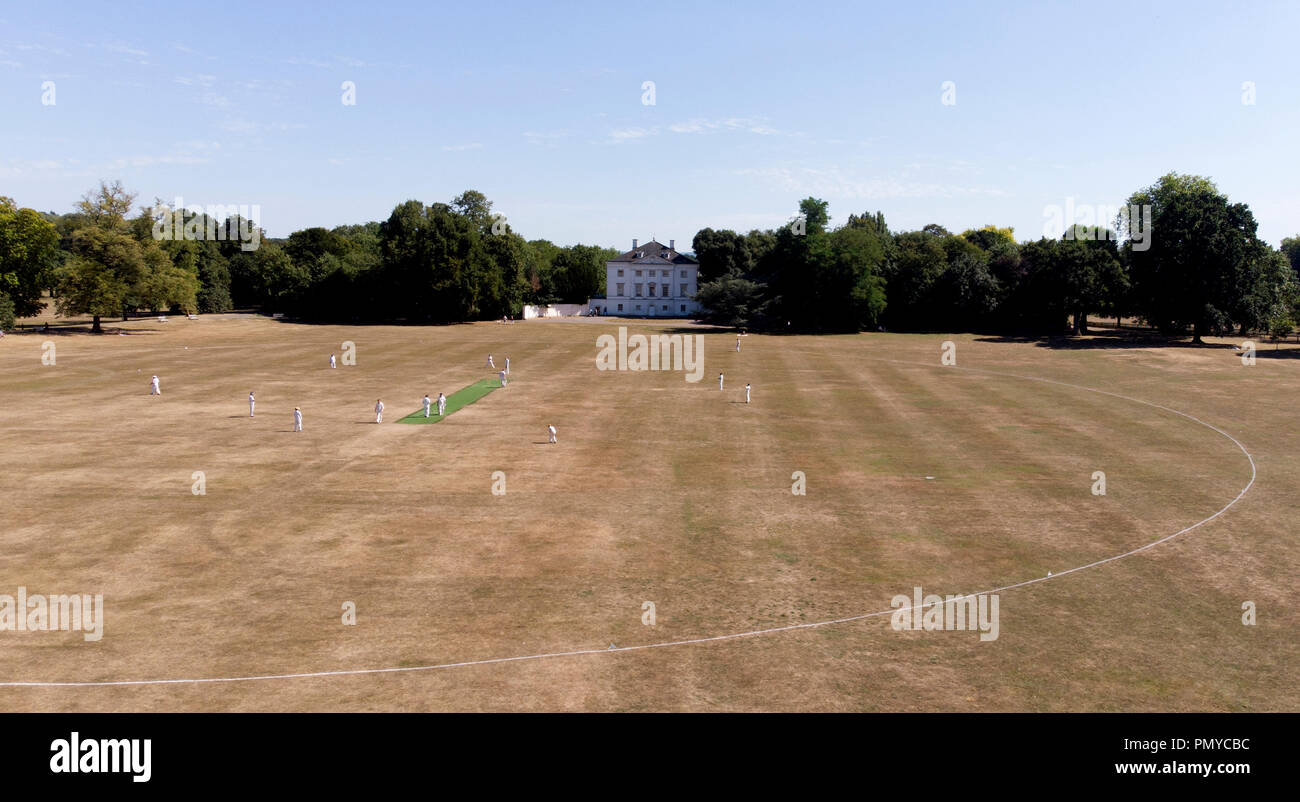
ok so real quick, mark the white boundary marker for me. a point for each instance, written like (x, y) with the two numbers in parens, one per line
(732, 636)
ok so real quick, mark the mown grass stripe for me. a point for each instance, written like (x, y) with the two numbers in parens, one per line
(457, 400)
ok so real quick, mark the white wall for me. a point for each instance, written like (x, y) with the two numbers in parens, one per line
(555, 310)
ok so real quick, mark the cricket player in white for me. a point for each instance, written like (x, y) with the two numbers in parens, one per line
(502, 374)
(719, 381)
(251, 401)
(746, 393)
(551, 431)
(154, 389)
(491, 364)
(297, 419)
(442, 405)
(737, 344)
(332, 363)
(379, 411)
(427, 404)
(507, 366)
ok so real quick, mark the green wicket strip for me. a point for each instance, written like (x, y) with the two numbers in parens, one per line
(461, 398)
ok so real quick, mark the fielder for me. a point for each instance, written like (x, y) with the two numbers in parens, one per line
(491, 364)
(333, 364)
(719, 381)
(427, 404)
(737, 343)
(379, 411)
(297, 419)
(251, 401)
(507, 366)
(551, 430)
(442, 405)
(154, 389)
(502, 374)
(746, 393)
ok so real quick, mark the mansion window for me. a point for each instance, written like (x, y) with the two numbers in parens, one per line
(620, 287)
(638, 290)
(652, 290)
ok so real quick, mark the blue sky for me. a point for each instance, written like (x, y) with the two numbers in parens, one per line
(756, 106)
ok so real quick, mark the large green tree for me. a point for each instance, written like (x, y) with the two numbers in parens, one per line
(1200, 246)
(28, 254)
(111, 271)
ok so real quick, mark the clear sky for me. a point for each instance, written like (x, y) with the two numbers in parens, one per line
(755, 107)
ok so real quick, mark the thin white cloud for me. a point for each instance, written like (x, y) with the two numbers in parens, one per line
(41, 48)
(704, 126)
(195, 80)
(125, 50)
(306, 62)
(215, 100)
(627, 134)
(470, 146)
(241, 126)
(540, 137)
(832, 182)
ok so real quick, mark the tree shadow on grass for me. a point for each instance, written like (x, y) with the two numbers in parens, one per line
(64, 330)
(1116, 339)
(1102, 339)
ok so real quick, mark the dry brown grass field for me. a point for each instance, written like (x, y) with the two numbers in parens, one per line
(659, 490)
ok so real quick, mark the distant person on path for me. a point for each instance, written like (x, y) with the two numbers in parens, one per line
(746, 393)
(551, 430)
(737, 343)
(251, 401)
(379, 411)
(491, 364)
(333, 364)
(719, 381)
(427, 404)
(154, 389)
(442, 405)
(297, 419)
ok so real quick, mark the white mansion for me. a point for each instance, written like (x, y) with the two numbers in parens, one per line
(651, 280)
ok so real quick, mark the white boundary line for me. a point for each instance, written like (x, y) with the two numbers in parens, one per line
(733, 636)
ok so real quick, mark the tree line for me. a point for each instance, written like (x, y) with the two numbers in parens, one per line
(1199, 268)
(440, 263)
